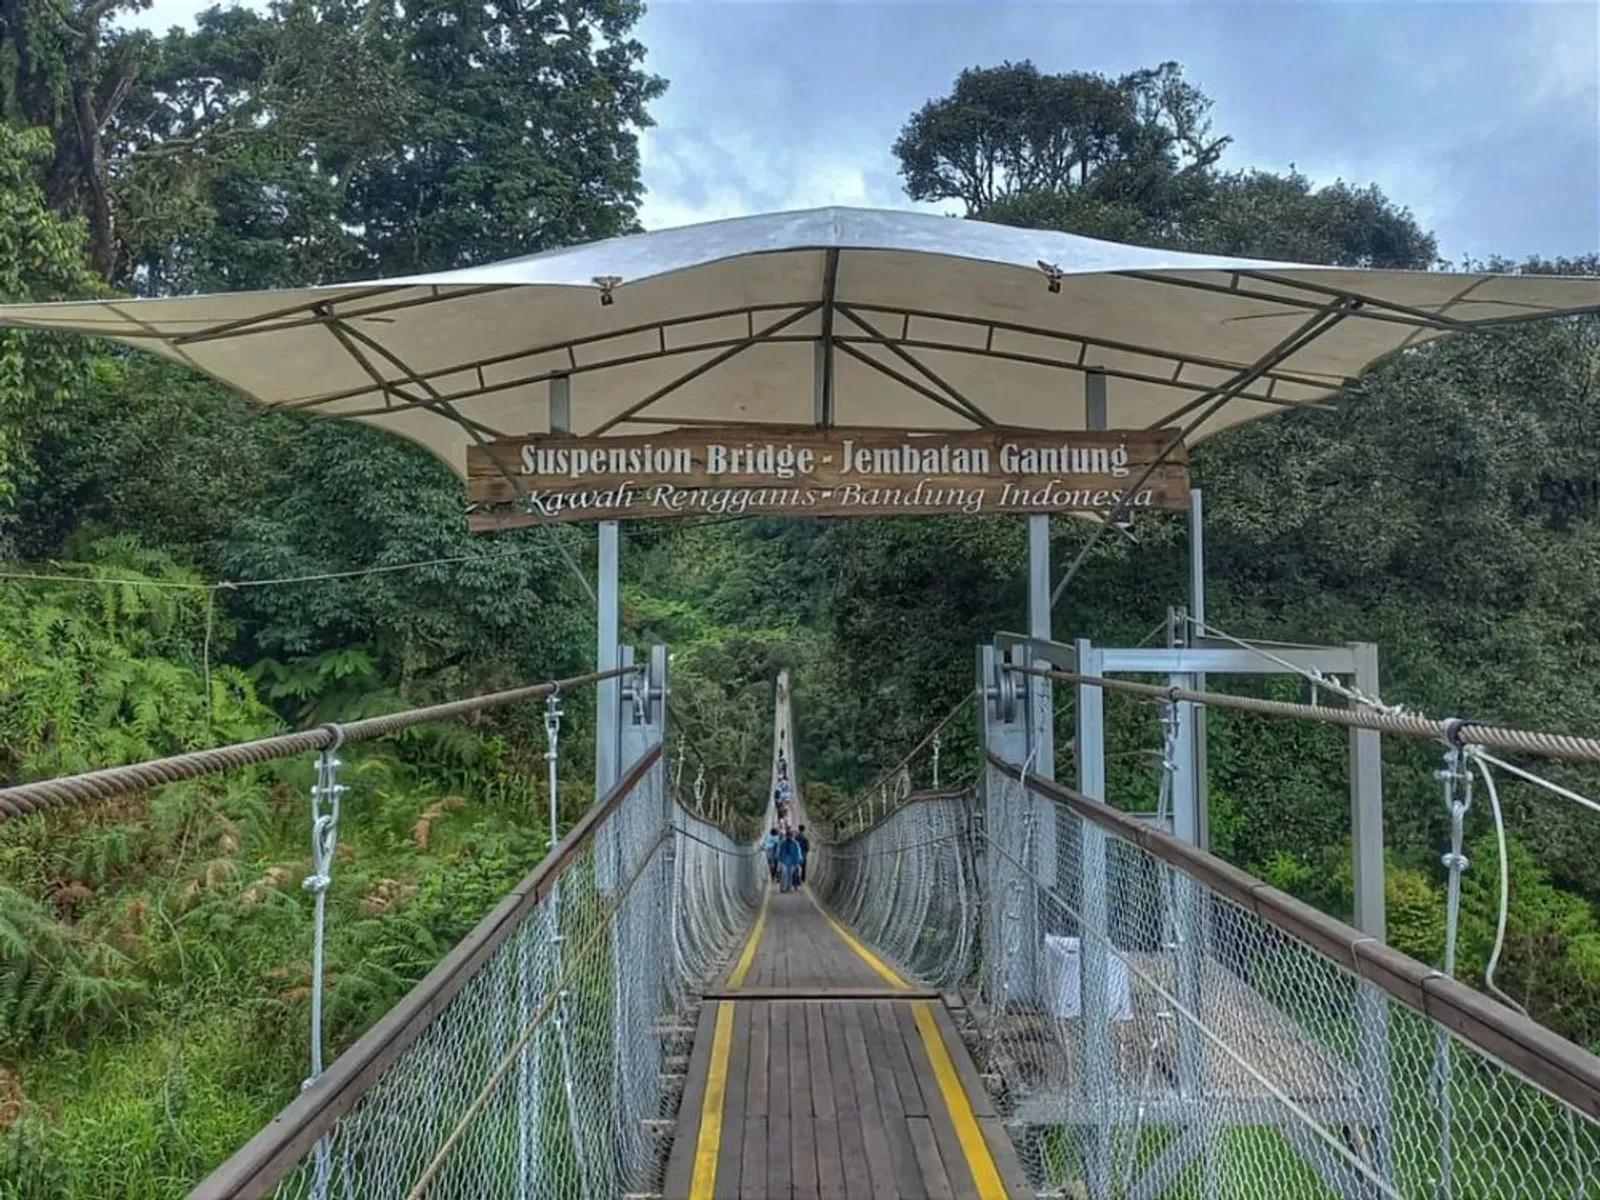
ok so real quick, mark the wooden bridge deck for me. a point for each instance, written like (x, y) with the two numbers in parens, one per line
(819, 1074)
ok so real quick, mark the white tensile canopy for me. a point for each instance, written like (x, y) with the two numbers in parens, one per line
(830, 317)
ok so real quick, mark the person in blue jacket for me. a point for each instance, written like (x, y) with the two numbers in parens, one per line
(789, 860)
(769, 847)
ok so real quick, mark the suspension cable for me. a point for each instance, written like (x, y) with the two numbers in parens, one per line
(1475, 756)
(92, 786)
(927, 739)
(1355, 695)
(1551, 745)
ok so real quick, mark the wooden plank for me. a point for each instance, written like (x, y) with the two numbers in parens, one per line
(902, 1154)
(830, 1160)
(757, 1068)
(780, 1165)
(685, 1137)
(805, 1184)
(929, 1160)
(957, 1171)
(778, 1083)
(852, 1145)
(874, 1136)
(753, 1160)
(819, 1073)
(730, 1153)
(1002, 1152)
(905, 1076)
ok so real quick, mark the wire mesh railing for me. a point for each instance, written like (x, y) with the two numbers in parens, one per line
(544, 1057)
(1154, 1023)
(907, 886)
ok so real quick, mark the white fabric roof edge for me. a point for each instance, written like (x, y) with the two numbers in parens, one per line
(649, 255)
(925, 322)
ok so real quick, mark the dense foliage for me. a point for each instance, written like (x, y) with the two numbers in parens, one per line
(154, 951)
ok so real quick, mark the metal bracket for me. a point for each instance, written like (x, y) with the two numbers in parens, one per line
(641, 692)
(1002, 692)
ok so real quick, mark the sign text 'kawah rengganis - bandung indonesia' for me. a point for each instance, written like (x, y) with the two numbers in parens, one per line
(818, 473)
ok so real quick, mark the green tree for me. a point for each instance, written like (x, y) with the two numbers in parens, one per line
(41, 258)
(1012, 130)
(64, 68)
(518, 132)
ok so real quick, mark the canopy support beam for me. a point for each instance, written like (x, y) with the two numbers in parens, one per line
(823, 363)
(710, 364)
(1212, 401)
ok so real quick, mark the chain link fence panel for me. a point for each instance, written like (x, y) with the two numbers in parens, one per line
(554, 1069)
(1234, 1059)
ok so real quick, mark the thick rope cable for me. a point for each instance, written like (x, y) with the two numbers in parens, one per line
(1476, 756)
(116, 781)
(1452, 730)
(1356, 696)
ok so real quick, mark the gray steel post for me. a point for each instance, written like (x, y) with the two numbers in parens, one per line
(1366, 841)
(607, 770)
(637, 952)
(1002, 727)
(1197, 609)
(1366, 803)
(1188, 914)
(1094, 931)
(1041, 711)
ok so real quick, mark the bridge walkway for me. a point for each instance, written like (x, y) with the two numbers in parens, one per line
(818, 1073)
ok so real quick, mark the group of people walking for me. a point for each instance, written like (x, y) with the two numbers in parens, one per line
(785, 845)
(786, 848)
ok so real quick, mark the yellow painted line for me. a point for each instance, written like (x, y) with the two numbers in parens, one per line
(749, 955)
(709, 1140)
(973, 1146)
(867, 956)
(704, 1178)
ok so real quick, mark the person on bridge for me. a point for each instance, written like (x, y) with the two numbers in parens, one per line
(769, 847)
(805, 851)
(789, 860)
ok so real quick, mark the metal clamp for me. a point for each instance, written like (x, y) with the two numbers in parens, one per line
(642, 692)
(1002, 692)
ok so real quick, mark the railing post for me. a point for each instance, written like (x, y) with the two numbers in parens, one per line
(1366, 841)
(1188, 916)
(1008, 959)
(638, 945)
(325, 795)
(607, 708)
(1094, 932)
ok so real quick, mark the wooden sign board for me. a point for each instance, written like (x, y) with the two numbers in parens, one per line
(760, 471)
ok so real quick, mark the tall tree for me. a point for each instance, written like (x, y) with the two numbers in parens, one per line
(519, 132)
(1010, 130)
(1134, 159)
(40, 373)
(64, 68)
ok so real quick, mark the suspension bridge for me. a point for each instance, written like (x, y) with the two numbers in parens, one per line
(1008, 989)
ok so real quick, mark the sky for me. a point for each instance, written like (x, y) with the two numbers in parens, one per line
(1483, 119)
